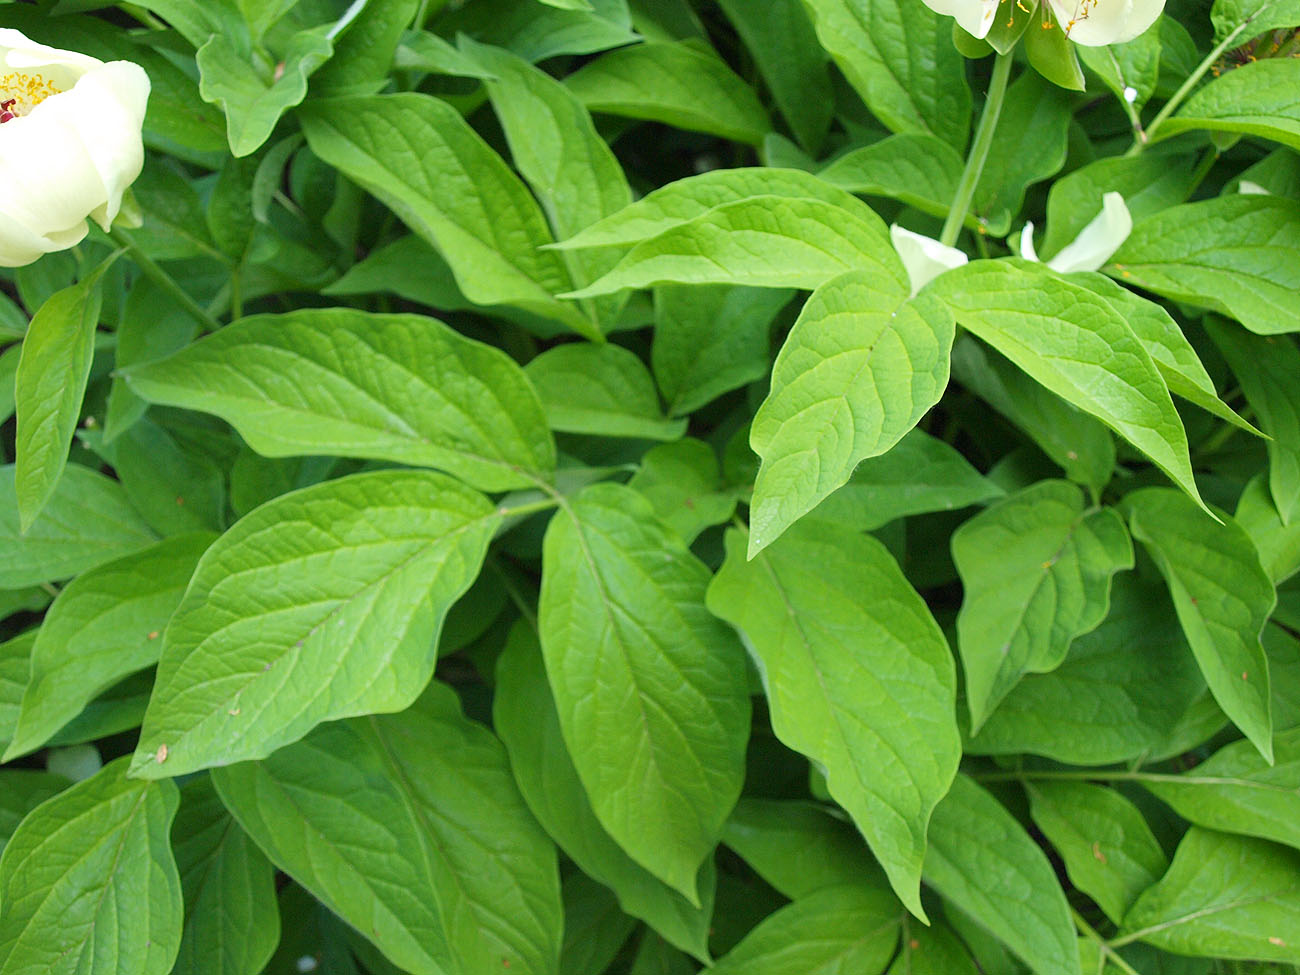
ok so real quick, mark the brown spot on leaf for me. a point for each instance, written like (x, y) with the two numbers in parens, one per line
(160, 755)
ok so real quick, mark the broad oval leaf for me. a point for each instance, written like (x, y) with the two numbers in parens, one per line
(863, 363)
(1036, 570)
(86, 522)
(321, 604)
(651, 690)
(920, 170)
(459, 196)
(1223, 597)
(103, 626)
(89, 884)
(336, 381)
(410, 828)
(858, 677)
(1231, 254)
(1074, 343)
(1259, 98)
(1225, 896)
(982, 860)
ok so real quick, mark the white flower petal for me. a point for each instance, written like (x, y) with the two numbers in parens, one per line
(1097, 241)
(974, 16)
(1027, 250)
(1096, 23)
(1251, 189)
(924, 257)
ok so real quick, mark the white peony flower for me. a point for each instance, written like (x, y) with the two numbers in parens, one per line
(1095, 243)
(1093, 23)
(69, 144)
(973, 16)
(923, 257)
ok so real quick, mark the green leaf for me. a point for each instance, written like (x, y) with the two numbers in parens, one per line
(600, 389)
(536, 33)
(1036, 570)
(336, 381)
(48, 389)
(102, 627)
(1278, 544)
(86, 522)
(683, 483)
(933, 950)
(1053, 56)
(364, 51)
(1266, 367)
(780, 37)
(21, 791)
(684, 84)
(982, 860)
(232, 924)
(800, 847)
(918, 475)
(409, 827)
(863, 363)
(1225, 896)
(1231, 254)
(594, 927)
(277, 631)
(833, 930)
(1109, 850)
(1080, 445)
(460, 196)
(710, 340)
(920, 170)
(88, 881)
(651, 690)
(1120, 693)
(899, 57)
(15, 664)
(1236, 791)
(524, 715)
(1222, 595)
(1078, 346)
(1260, 98)
(856, 673)
(1258, 15)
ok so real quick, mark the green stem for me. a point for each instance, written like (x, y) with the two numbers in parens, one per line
(1089, 931)
(532, 507)
(979, 151)
(1143, 139)
(164, 280)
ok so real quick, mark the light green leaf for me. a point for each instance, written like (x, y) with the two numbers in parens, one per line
(982, 860)
(277, 631)
(683, 483)
(1080, 445)
(1120, 694)
(600, 389)
(1225, 896)
(232, 924)
(536, 33)
(1078, 346)
(1231, 254)
(459, 196)
(1109, 850)
(48, 389)
(684, 84)
(102, 627)
(89, 884)
(15, 665)
(800, 847)
(409, 826)
(1266, 367)
(761, 241)
(525, 717)
(364, 47)
(780, 37)
(425, 51)
(920, 170)
(651, 690)
(683, 200)
(933, 950)
(863, 363)
(833, 930)
(1236, 791)
(1132, 65)
(1278, 544)
(1258, 15)
(1260, 98)
(1036, 570)
(710, 340)
(918, 475)
(856, 673)
(1223, 597)
(1169, 349)
(899, 57)
(86, 522)
(336, 381)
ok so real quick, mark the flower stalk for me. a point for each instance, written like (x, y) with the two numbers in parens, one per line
(979, 151)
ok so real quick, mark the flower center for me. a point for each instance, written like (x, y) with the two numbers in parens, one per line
(20, 93)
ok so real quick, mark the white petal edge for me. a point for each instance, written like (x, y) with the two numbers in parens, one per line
(1097, 23)
(923, 257)
(1097, 241)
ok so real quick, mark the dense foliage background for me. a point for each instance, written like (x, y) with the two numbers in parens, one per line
(440, 600)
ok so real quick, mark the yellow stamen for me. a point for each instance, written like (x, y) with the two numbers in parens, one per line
(21, 92)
